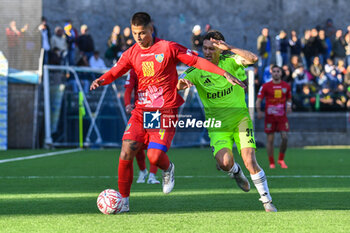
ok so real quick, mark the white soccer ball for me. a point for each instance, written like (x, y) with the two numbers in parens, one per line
(109, 201)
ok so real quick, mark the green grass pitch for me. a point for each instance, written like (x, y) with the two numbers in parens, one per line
(58, 194)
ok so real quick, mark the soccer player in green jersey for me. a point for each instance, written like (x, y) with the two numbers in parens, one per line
(226, 102)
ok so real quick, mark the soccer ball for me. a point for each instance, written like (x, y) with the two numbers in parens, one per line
(109, 201)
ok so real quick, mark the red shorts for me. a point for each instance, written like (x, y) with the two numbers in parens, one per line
(276, 125)
(155, 138)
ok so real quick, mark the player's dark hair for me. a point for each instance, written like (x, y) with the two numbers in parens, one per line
(141, 19)
(214, 34)
(276, 66)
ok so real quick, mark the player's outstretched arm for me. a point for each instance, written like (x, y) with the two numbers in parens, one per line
(183, 84)
(206, 65)
(248, 57)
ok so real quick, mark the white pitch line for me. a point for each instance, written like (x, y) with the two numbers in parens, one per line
(40, 155)
(185, 177)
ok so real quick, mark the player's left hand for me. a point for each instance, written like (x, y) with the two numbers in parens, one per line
(220, 44)
(233, 80)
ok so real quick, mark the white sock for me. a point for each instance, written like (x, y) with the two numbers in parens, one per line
(234, 169)
(260, 182)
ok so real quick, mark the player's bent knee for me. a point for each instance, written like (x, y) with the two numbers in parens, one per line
(154, 155)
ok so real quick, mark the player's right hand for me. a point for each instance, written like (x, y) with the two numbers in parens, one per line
(182, 84)
(95, 84)
(260, 114)
(233, 80)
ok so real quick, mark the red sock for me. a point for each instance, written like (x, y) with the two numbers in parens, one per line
(159, 158)
(271, 159)
(153, 169)
(125, 176)
(281, 156)
(140, 158)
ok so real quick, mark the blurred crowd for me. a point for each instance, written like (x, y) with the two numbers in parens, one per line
(316, 65)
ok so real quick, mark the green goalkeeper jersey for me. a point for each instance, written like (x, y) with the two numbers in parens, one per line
(221, 100)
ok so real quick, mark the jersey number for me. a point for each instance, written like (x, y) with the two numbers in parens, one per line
(249, 132)
(162, 132)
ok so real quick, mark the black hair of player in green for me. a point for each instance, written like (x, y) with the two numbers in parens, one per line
(141, 19)
(214, 34)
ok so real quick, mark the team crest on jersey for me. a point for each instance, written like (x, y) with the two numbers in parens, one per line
(159, 57)
(128, 127)
(284, 90)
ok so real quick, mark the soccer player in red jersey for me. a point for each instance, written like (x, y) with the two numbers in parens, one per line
(278, 103)
(154, 61)
(131, 86)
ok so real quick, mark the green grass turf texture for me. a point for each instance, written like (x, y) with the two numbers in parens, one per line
(208, 201)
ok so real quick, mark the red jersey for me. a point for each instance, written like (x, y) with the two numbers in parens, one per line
(155, 68)
(276, 96)
(131, 84)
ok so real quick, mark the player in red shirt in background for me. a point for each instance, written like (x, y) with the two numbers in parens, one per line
(154, 61)
(278, 103)
(131, 85)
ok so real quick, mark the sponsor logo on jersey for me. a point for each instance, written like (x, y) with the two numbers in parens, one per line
(284, 90)
(159, 57)
(205, 76)
(220, 94)
(147, 54)
(148, 68)
(251, 141)
(208, 83)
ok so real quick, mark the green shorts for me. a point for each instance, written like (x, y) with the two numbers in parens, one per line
(242, 134)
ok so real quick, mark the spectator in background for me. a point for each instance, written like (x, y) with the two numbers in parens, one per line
(338, 47)
(85, 42)
(300, 78)
(267, 74)
(294, 63)
(348, 98)
(347, 48)
(264, 51)
(55, 56)
(329, 29)
(341, 70)
(316, 45)
(197, 39)
(13, 42)
(71, 37)
(282, 45)
(347, 77)
(294, 44)
(340, 98)
(307, 99)
(316, 69)
(307, 48)
(127, 39)
(58, 41)
(326, 100)
(114, 43)
(45, 39)
(96, 62)
(326, 47)
(287, 75)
